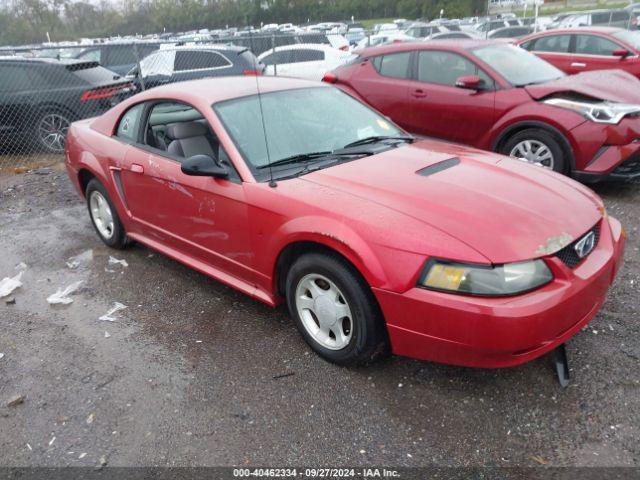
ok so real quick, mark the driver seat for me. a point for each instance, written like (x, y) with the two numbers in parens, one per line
(188, 139)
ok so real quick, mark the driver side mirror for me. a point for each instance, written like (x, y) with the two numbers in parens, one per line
(203, 166)
(620, 52)
(471, 82)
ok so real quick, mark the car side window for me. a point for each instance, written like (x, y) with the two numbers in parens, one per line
(620, 16)
(444, 68)
(528, 45)
(595, 45)
(195, 60)
(278, 58)
(600, 18)
(130, 123)
(395, 65)
(120, 55)
(179, 131)
(552, 43)
(93, 55)
(306, 55)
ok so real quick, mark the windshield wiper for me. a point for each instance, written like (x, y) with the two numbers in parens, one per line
(299, 157)
(308, 157)
(379, 138)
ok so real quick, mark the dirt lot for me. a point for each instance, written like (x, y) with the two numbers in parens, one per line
(193, 373)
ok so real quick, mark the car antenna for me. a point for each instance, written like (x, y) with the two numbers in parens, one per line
(272, 183)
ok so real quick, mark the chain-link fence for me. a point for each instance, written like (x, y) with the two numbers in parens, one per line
(45, 88)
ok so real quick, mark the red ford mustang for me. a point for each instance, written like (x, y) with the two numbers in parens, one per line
(499, 97)
(375, 241)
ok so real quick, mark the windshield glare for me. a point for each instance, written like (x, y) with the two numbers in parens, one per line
(306, 120)
(517, 66)
(629, 37)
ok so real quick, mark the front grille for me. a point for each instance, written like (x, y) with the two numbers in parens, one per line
(568, 254)
(629, 167)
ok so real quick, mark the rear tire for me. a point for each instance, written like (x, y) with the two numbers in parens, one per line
(335, 311)
(51, 129)
(104, 216)
(539, 147)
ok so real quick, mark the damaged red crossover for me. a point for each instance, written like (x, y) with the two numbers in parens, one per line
(499, 97)
(376, 241)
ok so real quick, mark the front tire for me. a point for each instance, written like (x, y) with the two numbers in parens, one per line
(537, 146)
(335, 311)
(104, 216)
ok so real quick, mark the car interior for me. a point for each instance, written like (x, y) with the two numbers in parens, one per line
(182, 132)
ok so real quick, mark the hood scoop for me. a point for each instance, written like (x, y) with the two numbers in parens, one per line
(438, 167)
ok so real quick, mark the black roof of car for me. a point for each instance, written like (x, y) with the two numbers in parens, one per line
(45, 60)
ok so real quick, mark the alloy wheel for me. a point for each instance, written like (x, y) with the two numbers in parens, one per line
(533, 151)
(52, 132)
(324, 311)
(101, 214)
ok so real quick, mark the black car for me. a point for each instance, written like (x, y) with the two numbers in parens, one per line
(39, 98)
(118, 58)
(177, 64)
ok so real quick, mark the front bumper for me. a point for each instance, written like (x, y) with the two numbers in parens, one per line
(607, 151)
(502, 332)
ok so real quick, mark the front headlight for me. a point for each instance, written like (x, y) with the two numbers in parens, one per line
(600, 112)
(481, 280)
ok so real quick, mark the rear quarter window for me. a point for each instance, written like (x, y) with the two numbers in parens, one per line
(130, 123)
(91, 74)
(395, 65)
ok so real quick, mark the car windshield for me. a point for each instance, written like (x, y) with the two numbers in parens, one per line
(630, 37)
(517, 66)
(298, 122)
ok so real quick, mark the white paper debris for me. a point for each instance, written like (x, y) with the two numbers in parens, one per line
(114, 261)
(9, 284)
(82, 455)
(21, 266)
(117, 306)
(1, 356)
(29, 447)
(51, 441)
(62, 295)
(107, 334)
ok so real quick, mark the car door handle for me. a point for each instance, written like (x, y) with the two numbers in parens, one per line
(578, 64)
(135, 168)
(419, 93)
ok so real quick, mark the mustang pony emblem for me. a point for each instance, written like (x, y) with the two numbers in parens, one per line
(584, 246)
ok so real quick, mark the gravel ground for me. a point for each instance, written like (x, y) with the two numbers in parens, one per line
(194, 373)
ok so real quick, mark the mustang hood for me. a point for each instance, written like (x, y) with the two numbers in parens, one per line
(612, 85)
(505, 209)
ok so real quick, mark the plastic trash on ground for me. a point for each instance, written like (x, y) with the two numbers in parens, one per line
(108, 317)
(9, 284)
(62, 295)
(77, 260)
(21, 266)
(114, 261)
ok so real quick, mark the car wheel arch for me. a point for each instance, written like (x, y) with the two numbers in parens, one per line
(84, 177)
(50, 107)
(287, 255)
(502, 137)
